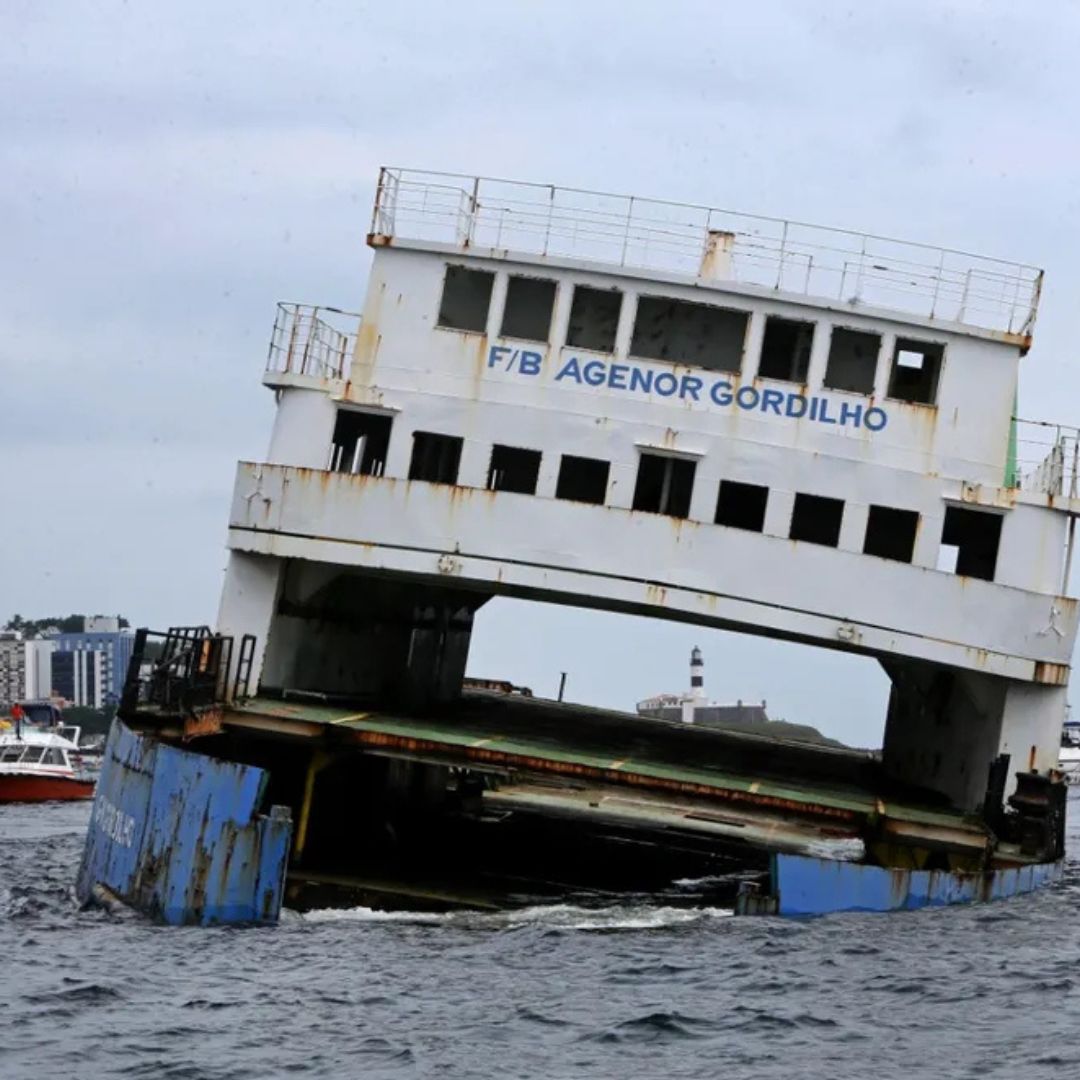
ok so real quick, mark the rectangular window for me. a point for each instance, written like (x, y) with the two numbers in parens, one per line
(685, 333)
(582, 479)
(513, 469)
(915, 370)
(816, 519)
(466, 298)
(853, 356)
(890, 533)
(529, 304)
(975, 535)
(594, 318)
(435, 457)
(664, 485)
(785, 350)
(742, 506)
(361, 440)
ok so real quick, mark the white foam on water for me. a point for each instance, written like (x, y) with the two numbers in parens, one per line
(543, 916)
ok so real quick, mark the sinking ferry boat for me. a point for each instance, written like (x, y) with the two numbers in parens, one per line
(654, 409)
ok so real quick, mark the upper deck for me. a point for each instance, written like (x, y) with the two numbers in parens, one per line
(837, 268)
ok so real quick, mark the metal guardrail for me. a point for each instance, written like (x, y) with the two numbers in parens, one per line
(184, 670)
(1047, 458)
(651, 234)
(309, 340)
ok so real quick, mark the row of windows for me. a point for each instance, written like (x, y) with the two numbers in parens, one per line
(684, 332)
(665, 485)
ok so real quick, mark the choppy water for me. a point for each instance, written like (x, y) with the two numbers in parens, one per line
(633, 991)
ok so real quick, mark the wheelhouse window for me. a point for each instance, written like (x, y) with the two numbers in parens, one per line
(435, 457)
(916, 369)
(969, 541)
(685, 333)
(742, 506)
(664, 485)
(529, 304)
(582, 479)
(466, 298)
(785, 349)
(513, 469)
(816, 519)
(594, 318)
(890, 533)
(361, 440)
(853, 357)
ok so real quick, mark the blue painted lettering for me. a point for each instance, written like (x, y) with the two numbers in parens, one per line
(530, 363)
(772, 400)
(570, 370)
(691, 387)
(875, 418)
(823, 413)
(796, 406)
(641, 380)
(594, 372)
(720, 392)
(670, 384)
(850, 412)
(747, 397)
(496, 354)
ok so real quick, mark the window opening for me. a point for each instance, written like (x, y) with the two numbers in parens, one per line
(742, 506)
(360, 443)
(915, 371)
(785, 350)
(975, 534)
(853, 356)
(890, 533)
(582, 479)
(53, 756)
(594, 318)
(685, 333)
(664, 485)
(513, 469)
(466, 298)
(435, 457)
(816, 519)
(529, 304)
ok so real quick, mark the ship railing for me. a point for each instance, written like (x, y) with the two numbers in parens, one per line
(185, 669)
(708, 243)
(1046, 458)
(310, 340)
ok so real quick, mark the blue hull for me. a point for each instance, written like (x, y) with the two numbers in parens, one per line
(179, 835)
(809, 886)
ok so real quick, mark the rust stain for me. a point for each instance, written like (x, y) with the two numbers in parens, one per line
(385, 740)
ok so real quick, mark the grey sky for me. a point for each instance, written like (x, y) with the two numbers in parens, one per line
(169, 171)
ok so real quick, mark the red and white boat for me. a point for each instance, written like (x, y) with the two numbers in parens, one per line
(38, 765)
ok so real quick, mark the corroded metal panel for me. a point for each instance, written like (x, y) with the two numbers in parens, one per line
(179, 835)
(810, 886)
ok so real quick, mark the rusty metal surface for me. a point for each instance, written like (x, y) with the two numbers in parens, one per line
(809, 886)
(752, 774)
(180, 836)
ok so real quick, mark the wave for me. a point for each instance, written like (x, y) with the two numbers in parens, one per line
(541, 916)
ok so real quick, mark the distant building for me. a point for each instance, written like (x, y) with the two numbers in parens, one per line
(38, 684)
(104, 635)
(78, 676)
(12, 668)
(692, 707)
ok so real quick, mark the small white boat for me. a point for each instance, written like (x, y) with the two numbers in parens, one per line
(40, 765)
(1069, 760)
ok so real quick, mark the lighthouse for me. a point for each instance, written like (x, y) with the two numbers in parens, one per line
(697, 674)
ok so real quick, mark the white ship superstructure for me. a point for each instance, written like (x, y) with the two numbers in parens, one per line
(673, 411)
(664, 410)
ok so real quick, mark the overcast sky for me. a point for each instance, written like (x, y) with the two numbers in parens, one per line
(168, 171)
